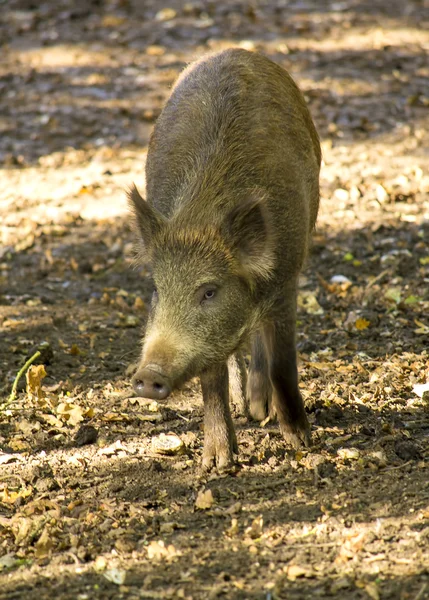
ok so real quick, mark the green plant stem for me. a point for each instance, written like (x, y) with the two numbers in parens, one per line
(20, 373)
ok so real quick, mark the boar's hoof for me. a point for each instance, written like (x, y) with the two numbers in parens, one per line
(223, 462)
(219, 456)
(151, 384)
(298, 436)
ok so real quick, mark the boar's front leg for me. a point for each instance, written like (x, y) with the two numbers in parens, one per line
(219, 436)
(287, 400)
(237, 374)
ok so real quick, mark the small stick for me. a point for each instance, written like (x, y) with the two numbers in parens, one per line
(21, 372)
(375, 280)
(421, 592)
(398, 466)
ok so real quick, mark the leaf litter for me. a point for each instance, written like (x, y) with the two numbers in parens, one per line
(97, 513)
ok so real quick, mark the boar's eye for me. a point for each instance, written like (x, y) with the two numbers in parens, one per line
(209, 294)
(206, 293)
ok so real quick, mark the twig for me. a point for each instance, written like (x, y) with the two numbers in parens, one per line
(182, 417)
(310, 545)
(21, 372)
(421, 592)
(371, 283)
(398, 466)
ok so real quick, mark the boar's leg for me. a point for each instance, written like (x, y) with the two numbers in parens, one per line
(219, 435)
(237, 383)
(259, 388)
(287, 400)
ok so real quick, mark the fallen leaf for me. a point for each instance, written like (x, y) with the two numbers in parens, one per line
(393, 294)
(422, 328)
(11, 497)
(71, 413)
(255, 530)
(372, 590)
(413, 299)
(112, 21)
(362, 324)
(75, 350)
(8, 561)
(348, 453)
(204, 500)
(44, 544)
(52, 420)
(113, 449)
(157, 550)
(34, 377)
(308, 302)
(100, 563)
(232, 529)
(116, 576)
(165, 14)
(295, 571)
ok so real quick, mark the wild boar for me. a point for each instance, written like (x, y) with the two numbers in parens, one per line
(232, 195)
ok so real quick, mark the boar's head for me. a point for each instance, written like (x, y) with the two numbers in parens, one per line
(208, 279)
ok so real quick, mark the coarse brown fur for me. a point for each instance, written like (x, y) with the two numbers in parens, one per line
(232, 184)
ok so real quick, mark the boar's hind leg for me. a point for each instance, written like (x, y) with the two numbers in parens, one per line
(219, 435)
(287, 400)
(259, 388)
(237, 383)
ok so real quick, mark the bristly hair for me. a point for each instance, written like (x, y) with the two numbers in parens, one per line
(206, 240)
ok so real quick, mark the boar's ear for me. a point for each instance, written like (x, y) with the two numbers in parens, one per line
(148, 221)
(249, 229)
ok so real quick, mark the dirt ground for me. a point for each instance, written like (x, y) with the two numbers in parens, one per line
(88, 508)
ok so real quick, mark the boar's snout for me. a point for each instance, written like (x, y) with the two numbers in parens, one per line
(150, 383)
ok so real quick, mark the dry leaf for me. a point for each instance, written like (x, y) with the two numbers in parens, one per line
(393, 294)
(19, 445)
(112, 21)
(157, 550)
(362, 324)
(350, 547)
(75, 350)
(233, 529)
(295, 571)
(116, 576)
(308, 302)
(113, 449)
(71, 413)
(11, 497)
(204, 500)
(372, 590)
(44, 544)
(348, 453)
(422, 328)
(255, 530)
(165, 14)
(23, 527)
(34, 377)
